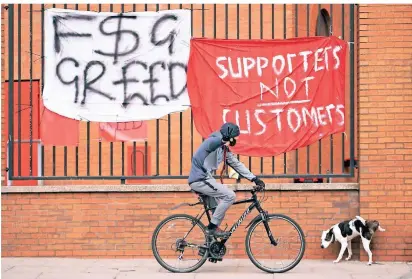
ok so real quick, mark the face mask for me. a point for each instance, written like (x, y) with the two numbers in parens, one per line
(232, 142)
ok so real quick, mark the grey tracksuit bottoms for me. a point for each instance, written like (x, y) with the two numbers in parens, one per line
(217, 193)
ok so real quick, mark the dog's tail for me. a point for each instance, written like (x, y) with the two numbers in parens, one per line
(361, 219)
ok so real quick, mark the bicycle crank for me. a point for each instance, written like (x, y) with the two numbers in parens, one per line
(217, 250)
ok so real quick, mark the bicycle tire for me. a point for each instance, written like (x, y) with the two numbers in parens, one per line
(156, 254)
(297, 260)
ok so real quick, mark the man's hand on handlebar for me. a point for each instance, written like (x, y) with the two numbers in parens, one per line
(260, 185)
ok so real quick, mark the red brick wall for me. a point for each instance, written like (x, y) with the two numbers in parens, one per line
(122, 224)
(385, 126)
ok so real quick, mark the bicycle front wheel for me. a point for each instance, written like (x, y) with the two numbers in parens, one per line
(177, 241)
(289, 249)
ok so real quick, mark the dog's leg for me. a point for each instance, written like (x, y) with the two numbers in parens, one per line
(344, 245)
(366, 244)
(349, 250)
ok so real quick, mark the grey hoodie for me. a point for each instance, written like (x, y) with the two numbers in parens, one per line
(208, 157)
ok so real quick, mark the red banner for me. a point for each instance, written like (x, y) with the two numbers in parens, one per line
(123, 131)
(283, 94)
(58, 130)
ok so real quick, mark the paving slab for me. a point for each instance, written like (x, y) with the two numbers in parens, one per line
(69, 268)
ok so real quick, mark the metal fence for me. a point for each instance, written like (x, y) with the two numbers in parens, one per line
(333, 157)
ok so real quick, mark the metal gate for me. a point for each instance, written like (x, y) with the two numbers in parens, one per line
(168, 150)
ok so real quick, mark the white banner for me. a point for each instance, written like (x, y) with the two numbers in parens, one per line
(110, 67)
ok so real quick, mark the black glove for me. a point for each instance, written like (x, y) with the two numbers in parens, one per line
(260, 185)
(225, 138)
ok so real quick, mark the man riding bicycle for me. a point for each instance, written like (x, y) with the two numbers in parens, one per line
(206, 159)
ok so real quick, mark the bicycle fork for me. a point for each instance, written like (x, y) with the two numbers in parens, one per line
(264, 216)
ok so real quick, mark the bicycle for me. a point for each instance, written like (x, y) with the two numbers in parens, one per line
(214, 249)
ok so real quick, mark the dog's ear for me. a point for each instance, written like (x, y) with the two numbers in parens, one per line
(333, 235)
(330, 236)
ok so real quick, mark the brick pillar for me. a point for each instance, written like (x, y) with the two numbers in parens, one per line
(385, 127)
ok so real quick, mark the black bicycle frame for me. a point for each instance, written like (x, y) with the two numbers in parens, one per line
(255, 203)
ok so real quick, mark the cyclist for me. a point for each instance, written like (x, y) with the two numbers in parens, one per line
(206, 159)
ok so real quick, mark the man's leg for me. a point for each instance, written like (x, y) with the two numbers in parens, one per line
(214, 189)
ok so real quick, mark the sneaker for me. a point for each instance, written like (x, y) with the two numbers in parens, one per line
(217, 232)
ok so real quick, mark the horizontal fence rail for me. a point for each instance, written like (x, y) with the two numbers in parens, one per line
(166, 153)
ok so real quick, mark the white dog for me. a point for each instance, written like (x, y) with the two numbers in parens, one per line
(345, 231)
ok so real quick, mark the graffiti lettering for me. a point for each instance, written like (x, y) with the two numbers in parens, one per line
(118, 33)
(170, 38)
(58, 34)
(123, 60)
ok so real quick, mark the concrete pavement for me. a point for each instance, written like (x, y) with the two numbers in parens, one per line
(68, 268)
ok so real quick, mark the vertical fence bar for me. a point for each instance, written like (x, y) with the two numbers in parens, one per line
(31, 89)
(181, 132)
(284, 37)
(169, 119)
(343, 134)
(296, 21)
(157, 125)
(88, 148)
(42, 81)
(214, 21)
(100, 139)
(284, 21)
(77, 161)
(145, 157)
(134, 150)
(203, 20)
(191, 112)
(238, 36)
(11, 89)
(273, 36)
(54, 160)
(237, 21)
(54, 147)
(261, 37)
(307, 35)
(123, 157)
(320, 142)
(250, 37)
(352, 88)
(227, 22)
(111, 143)
(100, 157)
(77, 147)
(19, 87)
(111, 158)
(331, 136)
(122, 181)
(320, 156)
(296, 35)
(65, 161)
(169, 155)
(42, 161)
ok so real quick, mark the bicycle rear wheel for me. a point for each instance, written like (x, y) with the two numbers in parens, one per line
(290, 244)
(176, 243)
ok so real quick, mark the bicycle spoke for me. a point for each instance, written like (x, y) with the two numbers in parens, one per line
(176, 244)
(280, 257)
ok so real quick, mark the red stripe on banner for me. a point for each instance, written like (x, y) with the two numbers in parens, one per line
(58, 130)
(123, 131)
